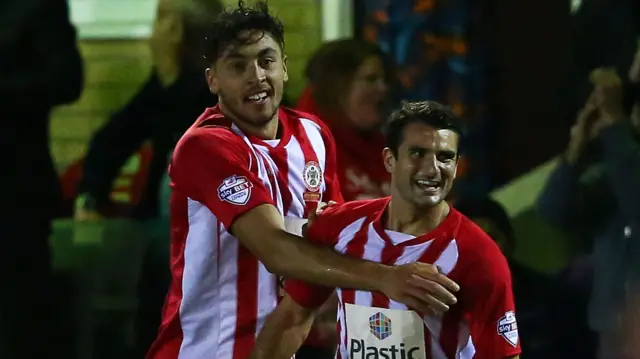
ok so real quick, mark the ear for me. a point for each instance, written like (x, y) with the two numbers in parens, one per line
(388, 159)
(212, 80)
(285, 60)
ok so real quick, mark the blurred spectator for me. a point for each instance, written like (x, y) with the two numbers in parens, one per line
(40, 67)
(595, 192)
(175, 93)
(604, 33)
(440, 53)
(541, 302)
(347, 89)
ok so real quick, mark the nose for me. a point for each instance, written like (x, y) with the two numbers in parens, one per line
(256, 73)
(429, 167)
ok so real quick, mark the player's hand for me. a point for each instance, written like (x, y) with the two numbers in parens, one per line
(319, 209)
(421, 287)
(314, 214)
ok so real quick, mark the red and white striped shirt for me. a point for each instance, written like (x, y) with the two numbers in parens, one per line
(220, 293)
(482, 325)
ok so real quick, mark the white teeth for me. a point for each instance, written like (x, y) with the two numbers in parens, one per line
(427, 183)
(258, 96)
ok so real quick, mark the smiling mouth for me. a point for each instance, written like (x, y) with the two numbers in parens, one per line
(428, 185)
(257, 97)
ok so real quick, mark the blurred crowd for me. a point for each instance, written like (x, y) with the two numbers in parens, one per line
(587, 310)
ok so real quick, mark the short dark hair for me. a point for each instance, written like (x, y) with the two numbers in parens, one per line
(229, 26)
(430, 113)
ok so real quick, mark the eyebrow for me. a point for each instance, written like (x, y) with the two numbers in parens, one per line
(234, 55)
(449, 152)
(424, 150)
(267, 51)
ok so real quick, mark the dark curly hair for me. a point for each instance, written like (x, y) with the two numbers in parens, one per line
(431, 113)
(236, 26)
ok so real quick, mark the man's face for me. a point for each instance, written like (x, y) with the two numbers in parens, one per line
(249, 79)
(426, 164)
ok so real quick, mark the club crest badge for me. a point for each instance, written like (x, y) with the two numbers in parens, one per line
(312, 176)
(235, 190)
(508, 328)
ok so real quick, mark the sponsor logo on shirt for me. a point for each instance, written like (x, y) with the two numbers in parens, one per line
(508, 328)
(235, 190)
(380, 326)
(312, 178)
(384, 333)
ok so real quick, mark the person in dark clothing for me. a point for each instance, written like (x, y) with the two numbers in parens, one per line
(594, 192)
(541, 300)
(175, 93)
(604, 33)
(40, 67)
(157, 114)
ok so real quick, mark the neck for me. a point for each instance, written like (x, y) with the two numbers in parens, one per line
(265, 131)
(167, 74)
(167, 64)
(406, 218)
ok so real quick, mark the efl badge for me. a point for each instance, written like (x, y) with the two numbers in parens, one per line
(312, 178)
(508, 328)
(235, 190)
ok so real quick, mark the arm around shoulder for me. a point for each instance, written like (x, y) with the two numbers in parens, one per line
(214, 167)
(262, 231)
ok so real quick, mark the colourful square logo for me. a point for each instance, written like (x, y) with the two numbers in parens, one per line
(380, 326)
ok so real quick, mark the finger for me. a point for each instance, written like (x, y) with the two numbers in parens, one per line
(331, 203)
(434, 306)
(321, 207)
(414, 304)
(428, 301)
(422, 306)
(432, 288)
(431, 272)
(447, 282)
